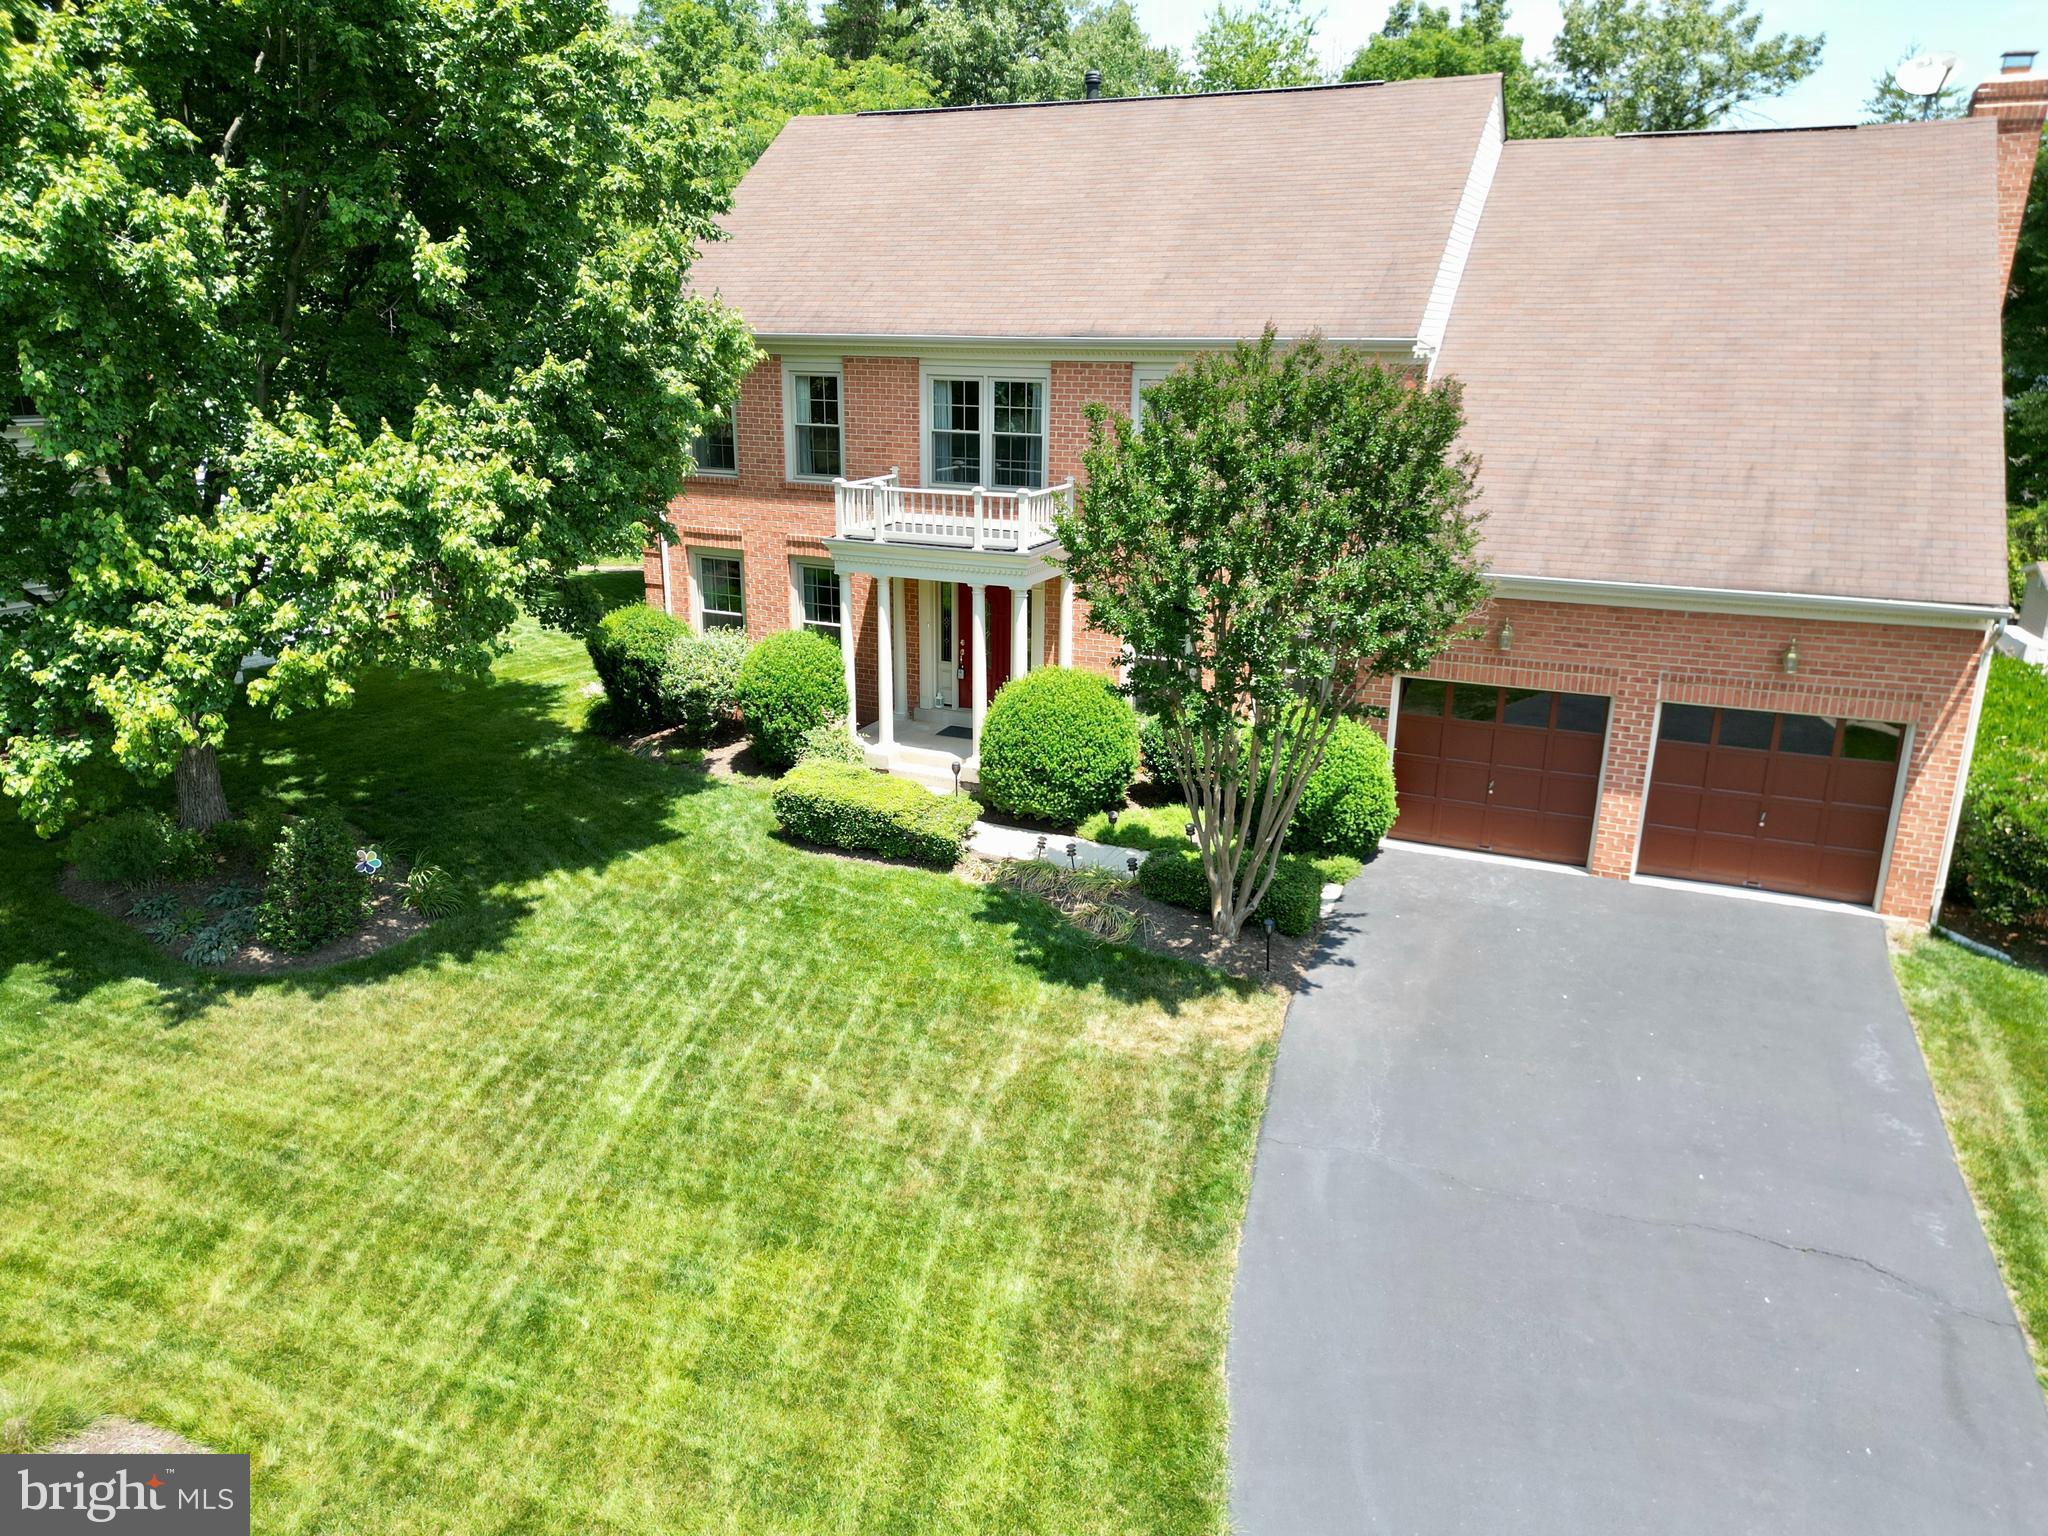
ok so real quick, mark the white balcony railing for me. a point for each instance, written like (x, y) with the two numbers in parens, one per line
(959, 517)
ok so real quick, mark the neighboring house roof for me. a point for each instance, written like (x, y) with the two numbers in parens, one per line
(1173, 217)
(1759, 361)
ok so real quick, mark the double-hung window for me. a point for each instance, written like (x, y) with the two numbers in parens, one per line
(817, 590)
(721, 594)
(716, 448)
(986, 429)
(815, 424)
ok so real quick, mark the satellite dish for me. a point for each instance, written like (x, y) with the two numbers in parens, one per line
(1926, 75)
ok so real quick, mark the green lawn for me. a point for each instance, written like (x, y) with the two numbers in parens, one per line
(693, 1182)
(1984, 1029)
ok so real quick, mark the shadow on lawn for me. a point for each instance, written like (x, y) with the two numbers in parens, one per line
(489, 780)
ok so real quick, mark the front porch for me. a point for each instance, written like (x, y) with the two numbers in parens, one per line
(968, 594)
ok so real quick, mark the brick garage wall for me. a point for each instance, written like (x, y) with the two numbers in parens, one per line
(1639, 657)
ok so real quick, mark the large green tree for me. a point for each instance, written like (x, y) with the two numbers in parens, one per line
(1290, 524)
(2026, 385)
(353, 328)
(1664, 66)
(1263, 44)
(1421, 42)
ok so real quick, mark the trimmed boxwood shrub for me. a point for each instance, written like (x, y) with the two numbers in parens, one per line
(837, 805)
(697, 690)
(314, 893)
(137, 848)
(789, 682)
(1294, 900)
(2001, 858)
(832, 742)
(1152, 751)
(1348, 803)
(630, 647)
(1058, 745)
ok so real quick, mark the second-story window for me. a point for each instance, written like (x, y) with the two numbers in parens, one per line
(716, 448)
(814, 403)
(984, 429)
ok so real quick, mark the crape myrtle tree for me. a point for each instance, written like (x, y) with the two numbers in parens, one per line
(1291, 523)
(354, 328)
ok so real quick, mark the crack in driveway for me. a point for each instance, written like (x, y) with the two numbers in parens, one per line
(1670, 1223)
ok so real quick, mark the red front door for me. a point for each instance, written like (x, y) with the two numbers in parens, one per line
(998, 639)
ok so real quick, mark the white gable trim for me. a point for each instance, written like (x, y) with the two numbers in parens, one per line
(1436, 314)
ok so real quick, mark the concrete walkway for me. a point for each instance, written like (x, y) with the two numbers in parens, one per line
(993, 842)
(1586, 1208)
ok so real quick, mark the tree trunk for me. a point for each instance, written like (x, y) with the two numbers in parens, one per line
(202, 802)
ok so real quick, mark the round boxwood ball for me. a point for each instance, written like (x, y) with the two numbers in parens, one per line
(788, 683)
(1058, 745)
(1348, 803)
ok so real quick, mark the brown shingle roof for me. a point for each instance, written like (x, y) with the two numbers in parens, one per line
(1751, 361)
(1170, 217)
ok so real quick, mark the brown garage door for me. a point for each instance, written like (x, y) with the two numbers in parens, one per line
(1509, 770)
(1794, 803)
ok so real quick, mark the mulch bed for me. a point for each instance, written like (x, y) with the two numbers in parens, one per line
(390, 921)
(2026, 945)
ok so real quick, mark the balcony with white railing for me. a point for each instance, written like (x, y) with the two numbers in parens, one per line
(885, 511)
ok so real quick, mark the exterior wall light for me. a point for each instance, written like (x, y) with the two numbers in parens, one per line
(1504, 638)
(1791, 657)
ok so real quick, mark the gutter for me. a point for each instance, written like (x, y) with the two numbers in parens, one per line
(1810, 605)
(1144, 345)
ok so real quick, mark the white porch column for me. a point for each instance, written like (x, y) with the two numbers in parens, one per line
(980, 661)
(1020, 631)
(1066, 621)
(885, 665)
(846, 644)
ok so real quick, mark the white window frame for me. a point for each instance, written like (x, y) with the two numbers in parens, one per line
(699, 553)
(798, 619)
(1143, 377)
(804, 368)
(732, 420)
(988, 374)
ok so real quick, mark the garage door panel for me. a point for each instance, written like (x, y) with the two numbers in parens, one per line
(1469, 776)
(1741, 797)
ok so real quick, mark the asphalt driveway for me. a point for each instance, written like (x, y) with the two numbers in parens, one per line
(1584, 1207)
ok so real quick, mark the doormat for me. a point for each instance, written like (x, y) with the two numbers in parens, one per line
(960, 731)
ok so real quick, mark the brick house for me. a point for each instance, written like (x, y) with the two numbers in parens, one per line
(1736, 397)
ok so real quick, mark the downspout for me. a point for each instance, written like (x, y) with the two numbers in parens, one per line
(667, 606)
(1955, 810)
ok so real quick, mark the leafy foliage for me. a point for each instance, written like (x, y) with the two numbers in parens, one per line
(2026, 385)
(314, 893)
(789, 683)
(1420, 42)
(629, 648)
(1057, 745)
(1348, 803)
(373, 327)
(1291, 523)
(432, 892)
(837, 805)
(246, 840)
(2001, 858)
(830, 741)
(1293, 898)
(1266, 43)
(1666, 66)
(222, 939)
(698, 688)
(137, 849)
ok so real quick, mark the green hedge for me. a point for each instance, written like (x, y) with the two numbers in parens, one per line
(832, 742)
(1294, 900)
(629, 647)
(1152, 751)
(1058, 745)
(136, 849)
(2001, 858)
(789, 683)
(1348, 803)
(837, 805)
(697, 689)
(314, 893)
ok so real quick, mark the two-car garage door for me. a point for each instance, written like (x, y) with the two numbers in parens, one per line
(1783, 802)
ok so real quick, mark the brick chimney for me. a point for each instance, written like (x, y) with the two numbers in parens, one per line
(2018, 97)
